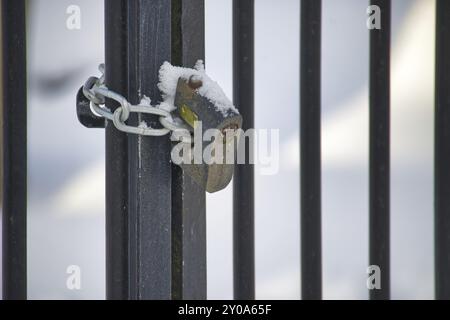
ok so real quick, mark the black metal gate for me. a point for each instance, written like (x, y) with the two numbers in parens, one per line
(155, 214)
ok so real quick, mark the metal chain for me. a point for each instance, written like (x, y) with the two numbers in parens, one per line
(95, 90)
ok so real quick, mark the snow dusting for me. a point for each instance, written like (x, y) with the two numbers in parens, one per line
(145, 101)
(143, 125)
(168, 80)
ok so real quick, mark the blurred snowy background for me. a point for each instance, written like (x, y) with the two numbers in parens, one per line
(66, 160)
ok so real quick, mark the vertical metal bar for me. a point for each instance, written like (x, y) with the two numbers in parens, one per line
(310, 152)
(243, 181)
(188, 199)
(116, 154)
(379, 187)
(15, 150)
(153, 252)
(150, 201)
(442, 152)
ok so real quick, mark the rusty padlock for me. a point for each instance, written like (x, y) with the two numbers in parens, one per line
(200, 112)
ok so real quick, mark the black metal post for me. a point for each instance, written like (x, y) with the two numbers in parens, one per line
(156, 217)
(14, 250)
(243, 181)
(116, 148)
(310, 152)
(442, 152)
(379, 188)
(188, 199)
(149, 157)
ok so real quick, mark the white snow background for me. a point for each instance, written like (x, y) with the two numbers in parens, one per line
(66, 160)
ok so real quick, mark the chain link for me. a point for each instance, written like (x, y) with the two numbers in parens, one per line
(95, 90)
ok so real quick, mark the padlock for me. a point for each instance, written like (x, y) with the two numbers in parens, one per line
(192, 107)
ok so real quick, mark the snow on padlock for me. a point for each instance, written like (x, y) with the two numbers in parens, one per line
(214, 121)
(209, 151)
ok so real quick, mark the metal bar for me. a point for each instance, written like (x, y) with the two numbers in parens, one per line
(14, 150)
(310, 152)
(150, 200)
(116, 154)
(379, 104)
(188, 199)
(442, 152)
(243, 181)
